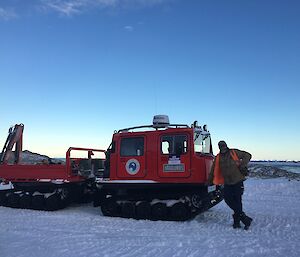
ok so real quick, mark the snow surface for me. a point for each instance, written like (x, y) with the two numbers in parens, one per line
(81, 230)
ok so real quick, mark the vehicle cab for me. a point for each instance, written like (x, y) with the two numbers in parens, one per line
(161, 153)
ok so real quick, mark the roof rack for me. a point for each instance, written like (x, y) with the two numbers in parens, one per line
(151, 126)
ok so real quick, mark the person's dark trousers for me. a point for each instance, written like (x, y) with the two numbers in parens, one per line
(233, 197)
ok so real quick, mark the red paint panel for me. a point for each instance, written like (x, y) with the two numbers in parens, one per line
(33, 172)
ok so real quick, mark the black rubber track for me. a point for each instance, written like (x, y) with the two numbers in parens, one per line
(143, 210)
(38, 202)
(52, 203)
(25, 201)
(13, 200)
(159, 211)
(180, 212)
(3, 199)
(110, 208)
(128, 210)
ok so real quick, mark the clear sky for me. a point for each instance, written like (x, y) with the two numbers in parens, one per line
(73, 71)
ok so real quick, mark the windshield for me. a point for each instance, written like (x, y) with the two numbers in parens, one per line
(202, 142)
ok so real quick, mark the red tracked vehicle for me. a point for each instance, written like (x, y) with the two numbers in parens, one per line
(44, 185)
(157, 172)
(154, 172)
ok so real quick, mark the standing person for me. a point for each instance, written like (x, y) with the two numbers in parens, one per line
(229, 169)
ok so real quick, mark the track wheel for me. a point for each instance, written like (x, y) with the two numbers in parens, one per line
(25, 201)
(180, 212)
(38, 202)
(53, 203)
(128, 210)
(3, 199)
(159, 211)
(110, 208)
(143, 210)
(13, 200)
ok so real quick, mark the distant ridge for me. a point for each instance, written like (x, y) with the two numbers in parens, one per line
(29, 157)
(271, 171)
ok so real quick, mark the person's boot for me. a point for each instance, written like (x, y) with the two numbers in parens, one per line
(236, 221)
(246, 220)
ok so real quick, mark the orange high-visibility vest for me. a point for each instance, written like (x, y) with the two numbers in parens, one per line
(218, 177)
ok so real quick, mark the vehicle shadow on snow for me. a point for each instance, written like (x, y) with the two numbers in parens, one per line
(84, 208)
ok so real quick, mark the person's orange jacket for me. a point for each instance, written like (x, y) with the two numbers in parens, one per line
(218, 177)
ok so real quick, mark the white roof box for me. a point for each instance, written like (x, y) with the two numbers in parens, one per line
(161, 121)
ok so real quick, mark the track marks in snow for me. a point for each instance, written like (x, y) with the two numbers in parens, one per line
(81, 230)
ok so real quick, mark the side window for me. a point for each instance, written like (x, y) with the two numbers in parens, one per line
(202, 143)
(174, 145)
(133, 146)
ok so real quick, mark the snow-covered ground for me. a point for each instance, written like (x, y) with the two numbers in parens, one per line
(81, 230)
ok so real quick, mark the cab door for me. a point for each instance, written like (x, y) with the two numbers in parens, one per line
(132, 157)
(174, 156)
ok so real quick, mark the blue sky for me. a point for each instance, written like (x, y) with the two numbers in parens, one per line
(73, 71)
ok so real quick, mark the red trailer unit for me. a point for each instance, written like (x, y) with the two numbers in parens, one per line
(158, 171)
(46, 185)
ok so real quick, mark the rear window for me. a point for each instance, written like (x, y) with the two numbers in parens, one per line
(133, 146)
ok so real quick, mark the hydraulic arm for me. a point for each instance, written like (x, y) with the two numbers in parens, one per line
(15, 137)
